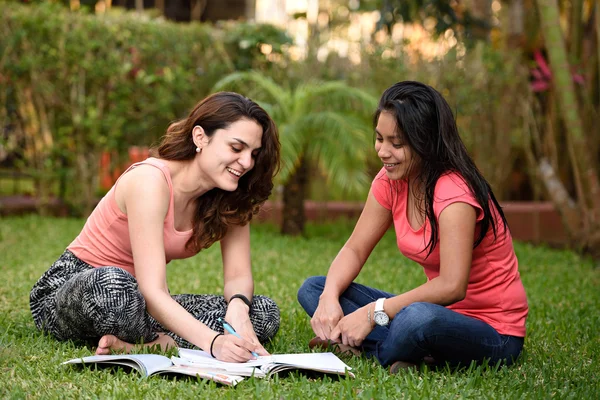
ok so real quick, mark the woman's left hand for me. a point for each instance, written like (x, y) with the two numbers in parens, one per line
(237, 316)
(353, 328)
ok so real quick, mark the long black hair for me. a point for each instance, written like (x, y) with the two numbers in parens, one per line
(426, 124)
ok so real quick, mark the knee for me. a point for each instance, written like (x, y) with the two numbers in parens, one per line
(111, 291)
(264, 305)
(310, 290)
(417, 316)
(112, 277)
(265, 317)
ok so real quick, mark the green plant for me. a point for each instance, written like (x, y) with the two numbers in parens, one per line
(322, 125)
(254, 45)
(580, 210)
(77, 85)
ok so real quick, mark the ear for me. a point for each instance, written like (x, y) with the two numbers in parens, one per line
(199, 136)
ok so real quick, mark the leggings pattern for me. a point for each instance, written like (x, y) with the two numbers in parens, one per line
(75, 301)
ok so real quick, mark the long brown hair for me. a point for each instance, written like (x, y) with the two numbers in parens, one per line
(217, 209)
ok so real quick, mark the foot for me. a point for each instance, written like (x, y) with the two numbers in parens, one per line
(403, 366)
(110, 343)
(328, 345)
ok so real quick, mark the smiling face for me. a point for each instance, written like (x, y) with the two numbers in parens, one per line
(397, 156)
(229, 153)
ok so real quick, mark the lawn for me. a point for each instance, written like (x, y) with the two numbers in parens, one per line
(561, 357)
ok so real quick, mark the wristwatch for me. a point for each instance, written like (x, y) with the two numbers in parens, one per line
(379, 316)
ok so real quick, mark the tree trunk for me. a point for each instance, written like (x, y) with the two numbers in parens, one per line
(160, 6)
(515, 37)
(294, 193)
(565, 92)
(197, 9)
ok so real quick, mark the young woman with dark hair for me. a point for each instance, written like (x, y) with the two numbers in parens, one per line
(473, 306)
(210, 174)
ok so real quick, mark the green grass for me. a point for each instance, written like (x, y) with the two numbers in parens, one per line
(560, 358)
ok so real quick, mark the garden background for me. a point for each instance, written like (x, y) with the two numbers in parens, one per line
(87, 86)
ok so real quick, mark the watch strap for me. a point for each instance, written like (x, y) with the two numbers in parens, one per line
(379, 304)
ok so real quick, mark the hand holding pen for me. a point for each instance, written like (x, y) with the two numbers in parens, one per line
(232, 331)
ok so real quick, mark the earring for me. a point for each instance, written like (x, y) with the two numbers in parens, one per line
(198, 149)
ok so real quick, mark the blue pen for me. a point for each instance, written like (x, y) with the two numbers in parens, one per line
(230, 329)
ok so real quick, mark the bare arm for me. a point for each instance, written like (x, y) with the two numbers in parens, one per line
(372, 224)
(237, 279)
(457, 227)
(237, 271)
(146, 196)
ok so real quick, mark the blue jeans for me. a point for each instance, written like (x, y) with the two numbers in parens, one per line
(420, 330)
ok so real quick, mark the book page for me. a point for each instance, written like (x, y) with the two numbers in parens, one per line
(146, 364)
(202, 357)
(262, 366)
(324, 362)
(220, 377)
(217, 367)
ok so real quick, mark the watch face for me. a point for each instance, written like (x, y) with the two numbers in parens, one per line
(381, 318)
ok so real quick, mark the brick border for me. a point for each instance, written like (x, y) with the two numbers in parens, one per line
(534, 222)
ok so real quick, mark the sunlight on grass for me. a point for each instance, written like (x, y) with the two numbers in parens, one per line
(560, 358)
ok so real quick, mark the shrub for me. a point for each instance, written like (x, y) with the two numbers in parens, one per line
(79, 85)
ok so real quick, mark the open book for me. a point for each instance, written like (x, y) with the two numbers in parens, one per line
(155, 364)
(201, 364)
(266, 366)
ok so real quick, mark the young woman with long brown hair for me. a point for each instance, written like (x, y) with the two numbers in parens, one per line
(210, 174)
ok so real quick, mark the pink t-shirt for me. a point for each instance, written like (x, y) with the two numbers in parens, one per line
(495, 293)
(104, 239)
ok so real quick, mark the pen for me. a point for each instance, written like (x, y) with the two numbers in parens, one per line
(230, 329)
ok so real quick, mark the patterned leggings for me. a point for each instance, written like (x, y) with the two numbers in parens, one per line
(75, 301)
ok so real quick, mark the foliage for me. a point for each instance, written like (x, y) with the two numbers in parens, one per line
(123, 86)
(580, 210)
(82, 85)
(487, 89)
(561, 358)
(254, 45)
(134, 75)
(323, 125)
(441, 15)
(324, 120)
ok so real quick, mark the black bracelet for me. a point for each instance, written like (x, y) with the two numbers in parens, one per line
(243, 298)
(212, 344)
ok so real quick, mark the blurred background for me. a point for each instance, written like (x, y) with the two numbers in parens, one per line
(86, 87)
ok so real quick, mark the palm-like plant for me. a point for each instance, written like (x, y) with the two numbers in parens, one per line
(321, 125)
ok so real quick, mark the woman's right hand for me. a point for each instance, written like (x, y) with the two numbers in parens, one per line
(326, 317)
(233, 349)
